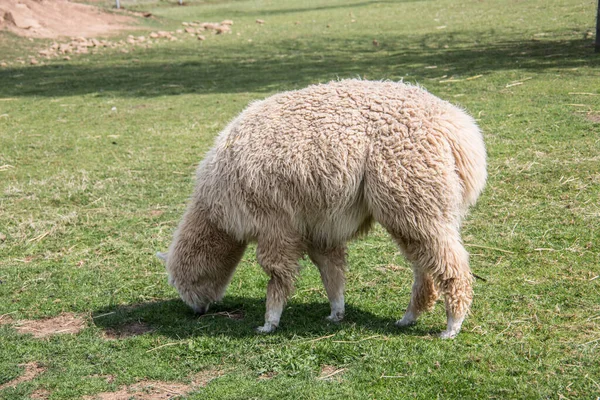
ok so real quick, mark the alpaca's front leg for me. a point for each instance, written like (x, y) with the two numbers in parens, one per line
(278, 290)
(279, 259)
(332, 266)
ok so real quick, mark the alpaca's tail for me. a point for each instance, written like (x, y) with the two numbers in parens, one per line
(469, 154)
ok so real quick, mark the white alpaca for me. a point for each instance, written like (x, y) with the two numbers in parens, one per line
(305, 171)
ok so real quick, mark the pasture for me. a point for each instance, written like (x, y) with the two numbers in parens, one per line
(97, 159)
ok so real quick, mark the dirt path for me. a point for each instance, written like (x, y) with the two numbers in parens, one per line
(56, 18)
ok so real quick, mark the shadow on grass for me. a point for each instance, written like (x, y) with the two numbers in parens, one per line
(261, 12)
(237, 317)
(290, 64)
(344, 5)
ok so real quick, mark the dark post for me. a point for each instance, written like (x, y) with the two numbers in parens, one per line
(598, 29)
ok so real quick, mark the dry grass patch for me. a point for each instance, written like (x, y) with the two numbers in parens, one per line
(594, 118)
(330, 372)
(31, 371)
(145, 390)
(65, 323)
(40, 394)
(6, 319)
(157, 390)
(202, 378)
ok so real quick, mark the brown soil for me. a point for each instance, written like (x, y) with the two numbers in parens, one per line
(81, 45)
(31, 371)
(55, 18)
(329, 372)
(594, 117)
(40, 394)
(145, 390)
(64, 323)
(156, 213)
(127, 330)
(6, 319)
(156, 390)
(202, 378)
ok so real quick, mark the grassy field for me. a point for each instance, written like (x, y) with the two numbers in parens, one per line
(97, 157)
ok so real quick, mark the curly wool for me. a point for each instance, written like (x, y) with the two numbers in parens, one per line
(308, 170)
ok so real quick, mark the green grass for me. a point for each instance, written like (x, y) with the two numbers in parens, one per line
(81, 203)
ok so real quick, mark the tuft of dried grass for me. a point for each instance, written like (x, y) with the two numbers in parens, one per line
(145, 390)
(68, 323)
(329, 372)
(158, 390)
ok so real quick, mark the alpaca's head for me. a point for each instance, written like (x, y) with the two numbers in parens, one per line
(195, 294)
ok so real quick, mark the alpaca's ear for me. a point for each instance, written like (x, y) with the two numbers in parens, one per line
(162, 256)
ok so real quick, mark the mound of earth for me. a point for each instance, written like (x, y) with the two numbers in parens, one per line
(55, 18)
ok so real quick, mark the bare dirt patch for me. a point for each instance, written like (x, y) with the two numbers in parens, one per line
(128, 330)
(61, 49)
(156, 213)
(145, 390)
(40, 394)
(330, 372)
(157, 390)
(202, 378)
(6, 319)
(55, 18)
(594, 118)
(65, 323)
(31, 371)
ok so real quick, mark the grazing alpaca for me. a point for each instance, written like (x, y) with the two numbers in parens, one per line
(305, 171)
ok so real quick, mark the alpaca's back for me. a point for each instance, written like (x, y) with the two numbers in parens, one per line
(309, 158)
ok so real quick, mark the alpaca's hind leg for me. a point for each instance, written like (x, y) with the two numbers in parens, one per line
(456, 283)
(279, 258)
(423, 297)
(332, 264)
(424, 291)
(445, 259)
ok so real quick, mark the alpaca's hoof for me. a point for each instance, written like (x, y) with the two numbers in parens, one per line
(448, 334)
(335, 318)
(266, 328)
(405, 322)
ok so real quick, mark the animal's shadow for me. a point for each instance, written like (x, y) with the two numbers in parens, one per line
(236, 317)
